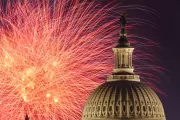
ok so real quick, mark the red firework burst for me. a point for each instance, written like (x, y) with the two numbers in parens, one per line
(52, 55)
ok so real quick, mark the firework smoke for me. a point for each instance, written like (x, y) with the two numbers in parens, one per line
(52, 55)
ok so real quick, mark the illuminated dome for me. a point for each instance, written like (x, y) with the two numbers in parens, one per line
(123, 100)
(123, 96)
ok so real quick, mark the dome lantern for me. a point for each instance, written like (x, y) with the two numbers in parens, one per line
(123, 68)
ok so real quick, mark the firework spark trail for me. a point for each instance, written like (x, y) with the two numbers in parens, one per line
(51, 58)
(50, 63)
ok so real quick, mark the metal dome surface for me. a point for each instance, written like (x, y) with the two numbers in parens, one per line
(123, 100)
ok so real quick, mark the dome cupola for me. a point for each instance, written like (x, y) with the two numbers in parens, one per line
(123, 96)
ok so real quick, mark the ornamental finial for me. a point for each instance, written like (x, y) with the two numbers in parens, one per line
(26, 118)
(122, 21)
(123, 42)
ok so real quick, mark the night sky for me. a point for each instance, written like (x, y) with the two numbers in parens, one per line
(168, 37)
